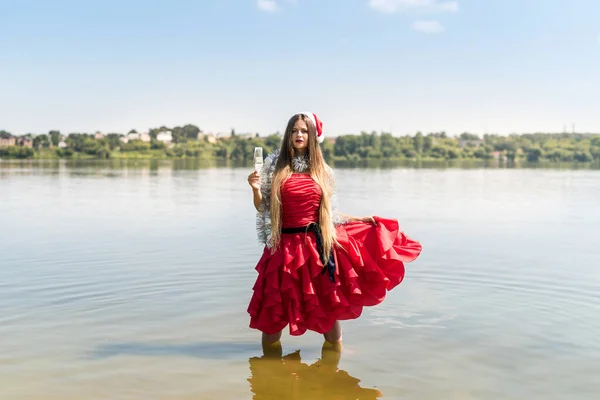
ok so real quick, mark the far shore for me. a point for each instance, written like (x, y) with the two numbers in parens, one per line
(366, 149)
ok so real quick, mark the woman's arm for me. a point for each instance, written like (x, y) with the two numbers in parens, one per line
(351, 218)
(254, 181)
(257, 198)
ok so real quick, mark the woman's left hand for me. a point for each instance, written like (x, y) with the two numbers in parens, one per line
(368, 219)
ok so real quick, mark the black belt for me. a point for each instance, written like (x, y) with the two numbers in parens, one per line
(328, 263)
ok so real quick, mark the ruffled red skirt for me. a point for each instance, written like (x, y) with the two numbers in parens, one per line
(292, 290)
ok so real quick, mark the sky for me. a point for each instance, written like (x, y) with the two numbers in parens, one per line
(401, 66)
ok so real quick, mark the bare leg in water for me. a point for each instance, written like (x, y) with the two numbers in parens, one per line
(271, 345)
(334, 336)
(268, 338)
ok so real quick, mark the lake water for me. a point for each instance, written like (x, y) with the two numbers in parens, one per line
(125, 281)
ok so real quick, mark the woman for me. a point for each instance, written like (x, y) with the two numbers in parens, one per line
(318, 266)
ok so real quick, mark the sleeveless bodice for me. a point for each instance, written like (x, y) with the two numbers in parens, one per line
(300, 200)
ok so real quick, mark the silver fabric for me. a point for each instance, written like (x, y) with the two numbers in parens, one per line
(301, 164)
(263, 216)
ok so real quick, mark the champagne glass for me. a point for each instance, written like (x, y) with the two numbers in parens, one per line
(258, 158)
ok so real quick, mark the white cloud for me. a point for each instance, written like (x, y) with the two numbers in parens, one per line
(448, 6)
(428, 26)
(429, 6)
(267, 5)
(273, 5)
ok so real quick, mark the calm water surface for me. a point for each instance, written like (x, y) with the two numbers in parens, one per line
(131, 282)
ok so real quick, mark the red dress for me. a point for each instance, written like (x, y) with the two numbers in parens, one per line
(290, 288)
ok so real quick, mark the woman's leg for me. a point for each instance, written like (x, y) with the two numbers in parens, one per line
(270, 338)
(271, 345)
(334, 336)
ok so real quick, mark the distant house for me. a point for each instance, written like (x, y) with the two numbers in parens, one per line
(165, 137)
(99, 135)
(209, 137)
(499, 155)
(62, 144)
(24, 141)
(7, 141)
(133, 136)
(144, 137)
(223, 135)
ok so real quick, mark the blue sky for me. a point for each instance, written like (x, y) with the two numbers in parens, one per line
(496, 66)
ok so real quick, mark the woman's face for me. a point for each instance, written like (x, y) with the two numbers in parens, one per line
(300, 136)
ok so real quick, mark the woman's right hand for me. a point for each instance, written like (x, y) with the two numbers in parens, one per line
(254, 180)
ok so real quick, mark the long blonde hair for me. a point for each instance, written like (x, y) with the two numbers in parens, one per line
(318, 172)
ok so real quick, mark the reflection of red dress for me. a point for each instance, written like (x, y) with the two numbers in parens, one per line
(290, 288)
(290, 378)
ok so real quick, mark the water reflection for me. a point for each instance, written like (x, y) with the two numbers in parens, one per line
(190, 164)
(278, 377)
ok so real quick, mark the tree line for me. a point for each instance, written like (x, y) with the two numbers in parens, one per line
(189, 142)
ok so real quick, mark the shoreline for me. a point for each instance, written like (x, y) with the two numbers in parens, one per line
(200, 163)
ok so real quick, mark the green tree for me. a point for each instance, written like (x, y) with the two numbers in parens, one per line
(41, 141)
(419, 142)
(534, 154)
(54, 137)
